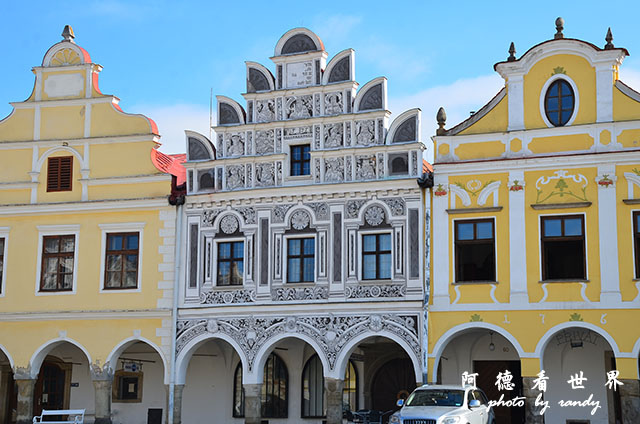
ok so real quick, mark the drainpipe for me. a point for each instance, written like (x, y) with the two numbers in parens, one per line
(426, 183)
(174, 311)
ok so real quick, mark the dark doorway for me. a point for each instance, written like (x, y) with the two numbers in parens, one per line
(52, 386)
(9, 401)
(487, 374)
(395, 380)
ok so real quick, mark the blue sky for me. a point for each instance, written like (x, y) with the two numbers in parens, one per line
(162, 58)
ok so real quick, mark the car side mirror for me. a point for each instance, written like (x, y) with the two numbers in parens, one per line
(400, 402)
(474, 403)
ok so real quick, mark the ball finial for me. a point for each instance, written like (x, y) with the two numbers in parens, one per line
(441, 117)
(559, 28)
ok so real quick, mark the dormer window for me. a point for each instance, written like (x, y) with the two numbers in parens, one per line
(559, 102)
(59, 172)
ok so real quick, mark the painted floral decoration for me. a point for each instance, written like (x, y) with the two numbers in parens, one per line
(440, 191)
(516, 186)
(605, 181)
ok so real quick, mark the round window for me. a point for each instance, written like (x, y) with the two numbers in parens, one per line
(559, 102)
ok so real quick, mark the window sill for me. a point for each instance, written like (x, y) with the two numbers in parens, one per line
(573, 205)
(631, 201)
(372, 282)
(230, 287)
(471, 283)
(567, 280)
(474, 210)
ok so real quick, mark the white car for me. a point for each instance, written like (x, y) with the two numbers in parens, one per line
(444, 404)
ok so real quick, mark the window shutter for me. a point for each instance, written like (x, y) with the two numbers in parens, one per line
(59, 173)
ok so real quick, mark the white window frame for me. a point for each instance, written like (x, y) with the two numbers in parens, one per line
(214, 262)
(125, 227)
(543, 95)
(285, 255)
(4, 233)
(57, 230)
(287, 165)
(360, 259)
(453, 248)
(586, 245)
(635, 273)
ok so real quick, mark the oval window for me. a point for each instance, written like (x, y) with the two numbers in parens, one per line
(559, 102)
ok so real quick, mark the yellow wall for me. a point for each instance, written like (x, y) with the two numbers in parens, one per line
(624, 108)
(62, 122)
(106, 120)
(496, 120)
(18, 126)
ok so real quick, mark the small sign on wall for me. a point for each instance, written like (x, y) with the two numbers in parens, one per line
(75, 384)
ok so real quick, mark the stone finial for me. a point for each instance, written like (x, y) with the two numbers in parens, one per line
(559, 28)
(441, 117)
(512, 53)
(67, 33)
(608, 39)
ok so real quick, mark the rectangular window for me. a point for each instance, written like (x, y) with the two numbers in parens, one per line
(230, 263)
(59, 173)
(636, 242)
(127, 387)
(376, 257)
(300, 260)
(57, 263)
(563, 251)
(121, 269)
(300, 159)
(475, 250)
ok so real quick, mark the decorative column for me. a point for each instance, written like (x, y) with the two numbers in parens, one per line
(608, 231)
(531, 411)
(177, 403)
(25, 400)
(333, 389)
(252, 403)
(517, 241)
(102, 382)
(441, 281)
(630, 400)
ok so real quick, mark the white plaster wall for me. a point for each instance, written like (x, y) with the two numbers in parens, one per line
(153, 391)
(473, 346)
(81, 397)
(560, 363)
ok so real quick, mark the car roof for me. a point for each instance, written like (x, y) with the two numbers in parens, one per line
(445, 387)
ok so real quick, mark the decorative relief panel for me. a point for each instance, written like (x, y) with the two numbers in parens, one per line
(229, 224)
(414, 163)
(300, 220)
(278, 140)
(380, 165)
(234, 144)
(265, 175)
(298, 107)
(235, 177)
(227, 297)
(332, 333)
(210, 215)
(316, 103)
(347, 133)
(249, 143)
(374, 216)
(248, 214)
(334, 170)
(299, 293)
(333, 135)
(317, 170)
(353, 208)
(396, 204)
(249, 175)
(316, 137)
(279, 100)
(365, 167)
(333, 104)
(349, 168)
(265, 110)
(365, 132)
(320, 209)
(363, 291)
(297, 132)
(264, 142)
(278, 212)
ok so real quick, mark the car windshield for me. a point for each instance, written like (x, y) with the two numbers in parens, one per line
(436, 398)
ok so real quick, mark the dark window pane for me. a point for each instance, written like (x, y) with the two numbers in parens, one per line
(115, 242)
(637, 223)
(308, 269)
(552, 227)
(132, 242)
(369, 243)
(51, 244)
(224, 250)
(465, 231)
(553, 90)
(385, 241)
(238, 250)
(294, 246)
(294, 270)
(309, 246)
(131, 263)
(573, 227)
(566, 115)
(369, 267)
(564, 259)
(385, 266)
(484, 230)
(552, 104)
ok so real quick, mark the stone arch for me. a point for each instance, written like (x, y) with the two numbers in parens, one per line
(74, 152)
(458, 330)
(259, 78)
(230, 112)
(199, 147)
(372, 96)
(405, 127)
(9, 357)
(298, 40)
(217, 221)
(184, 356)
(342, 359)
(82, 55)
(112, 359)
(340, 68)
(312, 216)
(546, 338)
(265, 350)
(41, 353)
(375, 202)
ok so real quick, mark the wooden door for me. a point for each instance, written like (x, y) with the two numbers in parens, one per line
(486, 380)
(50, 387)
(395, 380)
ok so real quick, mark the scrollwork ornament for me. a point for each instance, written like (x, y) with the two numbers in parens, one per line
(374, 216)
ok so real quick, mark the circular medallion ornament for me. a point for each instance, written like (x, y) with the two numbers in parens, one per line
(300, 220)
(212, 326)
(227, 297)
(375, 322)
(291, 324)
(229, 224)
(374, 216)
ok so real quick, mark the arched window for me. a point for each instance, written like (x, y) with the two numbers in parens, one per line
(238, 393)
(313, 389)
(275, 397)
(559, 102)
(350, 390)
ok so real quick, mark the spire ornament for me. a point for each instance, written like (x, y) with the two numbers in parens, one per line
(67, 33)
(608, 39)
(512, 53)
(559, 28)
(441, 117)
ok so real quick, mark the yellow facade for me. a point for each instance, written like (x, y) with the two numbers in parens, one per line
(114, 188)
(560, 288)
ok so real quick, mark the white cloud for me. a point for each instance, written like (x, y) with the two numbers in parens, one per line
(458, 99)
(172, 120)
